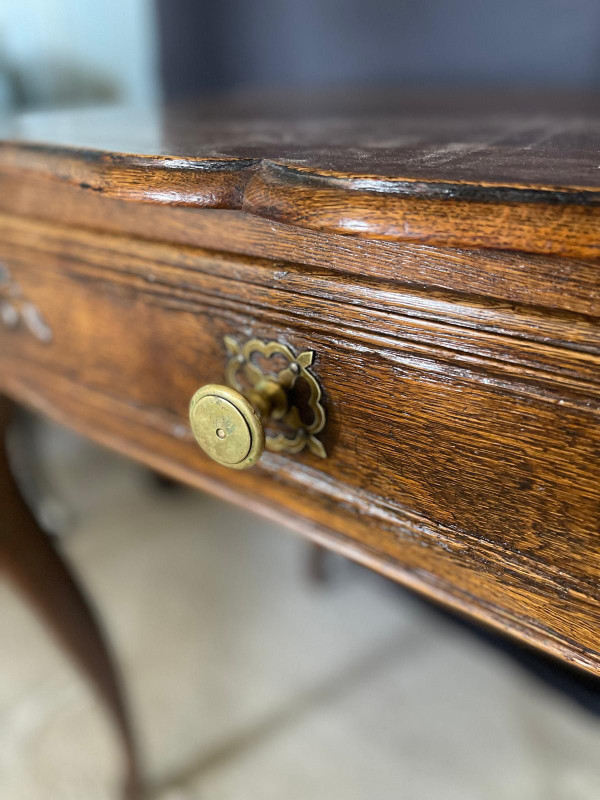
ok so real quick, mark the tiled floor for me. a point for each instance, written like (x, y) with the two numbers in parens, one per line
(250, 683)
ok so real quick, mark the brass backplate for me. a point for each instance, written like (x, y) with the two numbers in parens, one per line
(282, 389)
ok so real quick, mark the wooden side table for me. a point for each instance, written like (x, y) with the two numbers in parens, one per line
(381, 329)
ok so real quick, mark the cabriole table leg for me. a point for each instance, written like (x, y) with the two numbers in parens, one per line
(29, 558)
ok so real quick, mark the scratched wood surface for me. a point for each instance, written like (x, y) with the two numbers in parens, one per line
(473, 174)
(463, 436)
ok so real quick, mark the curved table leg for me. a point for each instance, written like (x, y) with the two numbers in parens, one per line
(33, 563)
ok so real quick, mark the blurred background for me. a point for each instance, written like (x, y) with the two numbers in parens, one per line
(250, 679)
(68, 52)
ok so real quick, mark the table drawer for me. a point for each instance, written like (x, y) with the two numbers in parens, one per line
(462, 436)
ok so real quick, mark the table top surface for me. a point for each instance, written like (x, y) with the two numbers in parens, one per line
(475, 170)
(382, 141)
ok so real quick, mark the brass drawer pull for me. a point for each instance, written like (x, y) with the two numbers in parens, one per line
(264, 381)
(226, 426)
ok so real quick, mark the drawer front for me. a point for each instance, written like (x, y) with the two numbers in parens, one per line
(462, 438)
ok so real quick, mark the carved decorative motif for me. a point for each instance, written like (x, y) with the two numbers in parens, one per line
(16, 310)
(258, 369)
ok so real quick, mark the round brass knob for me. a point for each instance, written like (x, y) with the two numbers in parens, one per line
(226, 426)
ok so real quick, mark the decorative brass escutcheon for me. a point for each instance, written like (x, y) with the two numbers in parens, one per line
(265, 381)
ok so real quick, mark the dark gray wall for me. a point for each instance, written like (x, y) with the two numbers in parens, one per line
(223, 44)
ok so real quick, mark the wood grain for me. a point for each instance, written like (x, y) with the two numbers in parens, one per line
(463, 432)
(518, 181)
(557, 283)
(543, 223)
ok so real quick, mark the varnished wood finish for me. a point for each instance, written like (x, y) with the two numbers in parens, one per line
(472, 178)
(36, 568)
(460, 362)
(462, 433)
(549, 282)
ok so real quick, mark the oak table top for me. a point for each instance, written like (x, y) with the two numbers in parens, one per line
(397, 168)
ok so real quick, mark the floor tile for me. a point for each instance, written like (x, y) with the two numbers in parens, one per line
(451, 721)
